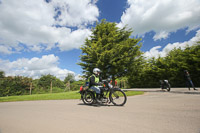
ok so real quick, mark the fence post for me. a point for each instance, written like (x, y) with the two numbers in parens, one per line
(31, 87)
(51, 87)
(67, 86)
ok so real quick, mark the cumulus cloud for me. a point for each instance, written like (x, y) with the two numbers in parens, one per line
(74, 39)
(161, 16)
(5, 49)
(73, 13)
(38, 25)
(155, 52)
(35, 67)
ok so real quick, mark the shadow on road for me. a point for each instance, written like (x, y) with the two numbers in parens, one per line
(194, 93)
(173, 90)
(98, 105)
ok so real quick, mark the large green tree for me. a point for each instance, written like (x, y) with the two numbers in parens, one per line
(111, 49)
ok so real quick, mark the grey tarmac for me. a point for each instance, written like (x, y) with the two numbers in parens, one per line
(153, 112)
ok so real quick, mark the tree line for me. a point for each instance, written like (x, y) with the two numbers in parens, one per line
(19, 85)
(149, 72)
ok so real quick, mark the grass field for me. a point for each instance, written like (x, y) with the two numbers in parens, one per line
(54, 96)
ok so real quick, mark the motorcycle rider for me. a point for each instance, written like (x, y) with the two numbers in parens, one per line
(94, 83)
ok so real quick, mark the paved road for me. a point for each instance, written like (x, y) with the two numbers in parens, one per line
(153, 112)
(173, 90)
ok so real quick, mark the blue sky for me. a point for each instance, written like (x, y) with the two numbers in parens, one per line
(44, 36)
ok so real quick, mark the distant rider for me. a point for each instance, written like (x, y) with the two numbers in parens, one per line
(94, 83)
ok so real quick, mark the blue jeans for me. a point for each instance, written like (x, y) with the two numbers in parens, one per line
(96, 89)
(190, 83)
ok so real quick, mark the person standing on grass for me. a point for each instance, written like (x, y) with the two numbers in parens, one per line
(189, 82)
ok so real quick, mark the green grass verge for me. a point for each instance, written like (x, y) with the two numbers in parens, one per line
(133, 93)
(54, 96)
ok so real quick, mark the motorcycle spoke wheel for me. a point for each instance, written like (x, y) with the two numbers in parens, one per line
(88, 98)
(118, 98)
(168, 89)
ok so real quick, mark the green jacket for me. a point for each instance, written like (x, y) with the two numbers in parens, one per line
(93, 80)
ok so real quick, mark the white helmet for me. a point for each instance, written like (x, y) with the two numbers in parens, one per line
(96, 70)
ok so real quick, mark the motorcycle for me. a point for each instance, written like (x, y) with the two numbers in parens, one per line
(109, 94)
(164, 84)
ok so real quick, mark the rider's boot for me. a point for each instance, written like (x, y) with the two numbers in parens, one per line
(195, 89)
(98, 98)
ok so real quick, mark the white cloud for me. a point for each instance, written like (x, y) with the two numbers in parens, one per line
(74, 40)
(161, 35)
(75, 13)
(5, 49)
(154, 52)
(35, 67)
(39, 25)
(78, 77)
(161, 16)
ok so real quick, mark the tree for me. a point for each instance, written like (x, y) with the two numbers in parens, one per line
(2, 74)
(111, 49)
(48, 81)
(16, 85)
(70, 78)
(180, 60)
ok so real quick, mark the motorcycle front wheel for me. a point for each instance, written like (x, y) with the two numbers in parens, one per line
(168, 87)
(118, 97)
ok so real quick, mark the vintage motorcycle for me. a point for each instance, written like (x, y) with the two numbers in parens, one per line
(109, 94)
(164, 84)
